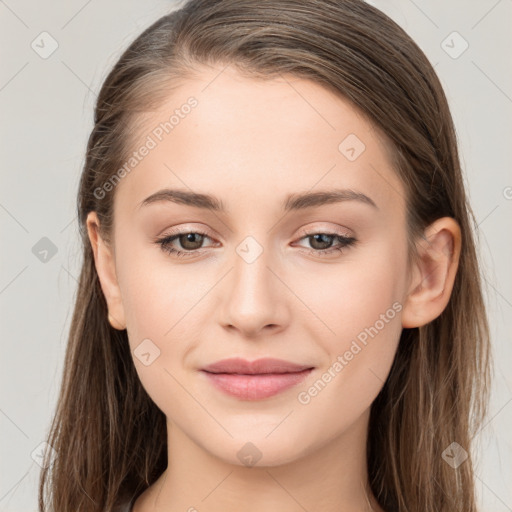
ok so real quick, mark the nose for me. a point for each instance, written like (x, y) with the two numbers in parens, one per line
(254, 298)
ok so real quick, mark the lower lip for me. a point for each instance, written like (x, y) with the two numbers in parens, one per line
(256, 387)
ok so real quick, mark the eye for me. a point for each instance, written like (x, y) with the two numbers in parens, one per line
(191, 241)
(322, 243)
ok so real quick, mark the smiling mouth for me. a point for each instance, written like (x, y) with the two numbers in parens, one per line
(256, 386)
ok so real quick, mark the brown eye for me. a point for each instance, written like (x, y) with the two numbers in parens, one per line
(189, 242)
(322, 243)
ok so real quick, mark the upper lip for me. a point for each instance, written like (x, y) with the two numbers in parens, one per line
(259, 366)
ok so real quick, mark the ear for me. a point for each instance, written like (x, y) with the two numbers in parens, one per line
(105, 267)
(433, 274)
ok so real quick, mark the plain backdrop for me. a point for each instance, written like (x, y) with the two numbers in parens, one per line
(54, 57)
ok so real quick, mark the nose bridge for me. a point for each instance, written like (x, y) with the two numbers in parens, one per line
(252, 299)
(251, 276)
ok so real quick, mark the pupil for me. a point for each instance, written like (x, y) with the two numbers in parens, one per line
(192, 238)
(323, 239)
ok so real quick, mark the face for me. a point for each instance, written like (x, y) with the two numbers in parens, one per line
(317, 281)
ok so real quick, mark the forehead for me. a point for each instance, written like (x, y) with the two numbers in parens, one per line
(243, 139)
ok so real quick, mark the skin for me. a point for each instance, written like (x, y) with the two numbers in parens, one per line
(251, 143)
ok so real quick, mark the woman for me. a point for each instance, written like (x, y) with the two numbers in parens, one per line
(280, 305)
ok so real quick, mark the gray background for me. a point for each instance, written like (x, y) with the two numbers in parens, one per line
(47, 107)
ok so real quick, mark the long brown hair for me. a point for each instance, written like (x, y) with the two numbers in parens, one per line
(437, 390)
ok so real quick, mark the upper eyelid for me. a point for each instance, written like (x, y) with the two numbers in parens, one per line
(329, 231)
(304, 234)
(305, 231)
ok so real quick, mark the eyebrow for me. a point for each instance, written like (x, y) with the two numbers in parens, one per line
(293, 202)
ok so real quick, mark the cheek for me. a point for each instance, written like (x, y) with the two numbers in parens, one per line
(359, 305)
(160, 301)
(164, 304)
(158, 294)
(352, 295)
(360, 312)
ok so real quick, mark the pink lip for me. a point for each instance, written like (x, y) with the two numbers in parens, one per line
(255, 380)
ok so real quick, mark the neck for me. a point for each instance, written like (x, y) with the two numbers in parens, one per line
(331, 478)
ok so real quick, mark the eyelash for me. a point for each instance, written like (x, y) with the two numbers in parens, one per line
(166, 241)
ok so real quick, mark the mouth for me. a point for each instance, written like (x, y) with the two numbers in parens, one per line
(255, 380)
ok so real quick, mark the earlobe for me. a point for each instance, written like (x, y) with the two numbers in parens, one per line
(105, 267)
(433, 273)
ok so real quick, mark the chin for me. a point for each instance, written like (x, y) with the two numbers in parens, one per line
(259, 449)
